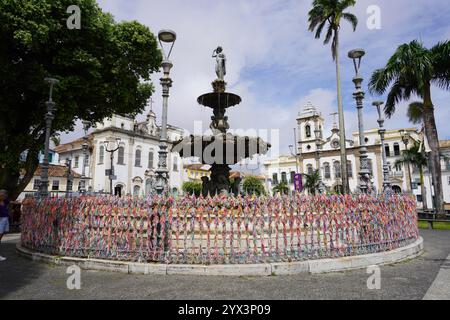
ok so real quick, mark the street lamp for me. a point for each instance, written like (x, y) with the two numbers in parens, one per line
(318, 136)
(405, 138)
(364, 173)
(86, 125)
(110, 172)
(382, 131)
(162, 173)
(69, 184)
(49, 117)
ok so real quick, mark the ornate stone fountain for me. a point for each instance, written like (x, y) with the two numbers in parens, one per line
(222, 149)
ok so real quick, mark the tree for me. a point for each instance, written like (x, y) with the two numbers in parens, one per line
(329, 13)
(415, 157)
(253, 185)
(282, 188)
(104, 68)
(415, 113)
(312, 182)
(192, 188)
(411, 71)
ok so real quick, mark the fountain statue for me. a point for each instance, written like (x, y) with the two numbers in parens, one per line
(222, 149)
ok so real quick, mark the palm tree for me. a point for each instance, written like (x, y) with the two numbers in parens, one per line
(415, 112)
(415, 157)
(282, 188)
(411, 71)
(312, 182)
(330, 13)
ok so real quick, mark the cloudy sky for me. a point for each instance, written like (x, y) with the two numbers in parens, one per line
(274, 63)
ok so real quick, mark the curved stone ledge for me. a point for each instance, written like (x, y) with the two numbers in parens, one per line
(265, 269)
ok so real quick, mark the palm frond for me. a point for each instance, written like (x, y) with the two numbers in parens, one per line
(352, 19)
(415, 112)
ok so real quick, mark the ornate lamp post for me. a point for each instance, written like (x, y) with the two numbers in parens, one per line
(318, 135)
(111, 170)
(49, 117)
(86, 125)
(405, 138)
(364, 173)
(69, 184)
(382, 131)
(162, 173)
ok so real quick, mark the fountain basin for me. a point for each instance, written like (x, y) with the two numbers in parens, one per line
(217, 100)
(220, 148)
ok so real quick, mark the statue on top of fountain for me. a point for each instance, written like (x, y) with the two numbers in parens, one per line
(221, 63)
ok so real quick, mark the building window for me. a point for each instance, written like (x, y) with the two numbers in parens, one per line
(309, 169)
(151, 156)
(308, 131)
(101, 155)
(283, 177)
(50, 158)
(137, 159)
(36, 184)
(292, 176)
(175, 164)
(419, 198)
(350, 169)
(388, 150)
(121, 157)
(396, 149)
(275, 178)
(86, 161)
(55, 185)
(327, 170)
(337, 170)
(136, 191)
(77, 161)
(69, 185)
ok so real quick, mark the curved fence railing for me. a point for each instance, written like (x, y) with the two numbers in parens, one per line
(220, 230)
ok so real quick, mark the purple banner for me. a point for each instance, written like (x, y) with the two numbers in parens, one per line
(298, 182)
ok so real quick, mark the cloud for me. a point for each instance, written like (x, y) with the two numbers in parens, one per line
(274, 62)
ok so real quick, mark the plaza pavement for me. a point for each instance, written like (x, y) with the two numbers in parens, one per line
(425, 277)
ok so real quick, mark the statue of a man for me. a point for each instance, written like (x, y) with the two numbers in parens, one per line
(221, 61)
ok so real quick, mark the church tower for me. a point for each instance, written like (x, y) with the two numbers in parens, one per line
(309, 123)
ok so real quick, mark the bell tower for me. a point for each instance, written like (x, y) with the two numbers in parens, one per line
(309, 123)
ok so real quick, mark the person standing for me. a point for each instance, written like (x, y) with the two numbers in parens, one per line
(4, 216)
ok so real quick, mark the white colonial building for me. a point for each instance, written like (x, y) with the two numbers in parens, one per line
(135, 160)
(310, 123)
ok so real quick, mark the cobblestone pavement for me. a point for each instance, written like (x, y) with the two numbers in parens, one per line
(21, 278)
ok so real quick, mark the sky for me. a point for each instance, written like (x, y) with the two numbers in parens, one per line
(275, 64)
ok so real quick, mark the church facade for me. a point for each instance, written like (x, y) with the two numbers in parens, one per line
(135, 161)
(320, 150)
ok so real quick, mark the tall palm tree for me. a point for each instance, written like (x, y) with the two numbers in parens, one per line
(329, 13)
(415, 157)
(312, 182)
(411, 71)
(415, 112)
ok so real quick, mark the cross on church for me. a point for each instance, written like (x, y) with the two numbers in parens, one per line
(151, 103)
(334, 116)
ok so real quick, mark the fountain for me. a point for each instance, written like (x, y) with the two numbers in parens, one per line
(222, 149)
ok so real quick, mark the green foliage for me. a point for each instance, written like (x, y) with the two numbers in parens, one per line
(103, 68)
(415, 112)
(329, 13)
(192, 188)
(282, 188)
(253, 185)
(414, 156)
(312, 182)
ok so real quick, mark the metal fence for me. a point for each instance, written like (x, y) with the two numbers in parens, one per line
(220, 230)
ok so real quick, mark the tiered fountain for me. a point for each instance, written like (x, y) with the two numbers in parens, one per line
(222, 149)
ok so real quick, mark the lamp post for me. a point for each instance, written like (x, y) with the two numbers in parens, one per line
(318, 135)
(111, 170)
(364, 173)
(69, 184)
(49, 117)
(382, 131)
(86, 125)
(405, 138)
(162, 173)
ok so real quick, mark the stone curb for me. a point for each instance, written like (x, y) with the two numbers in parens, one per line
(265, 269)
